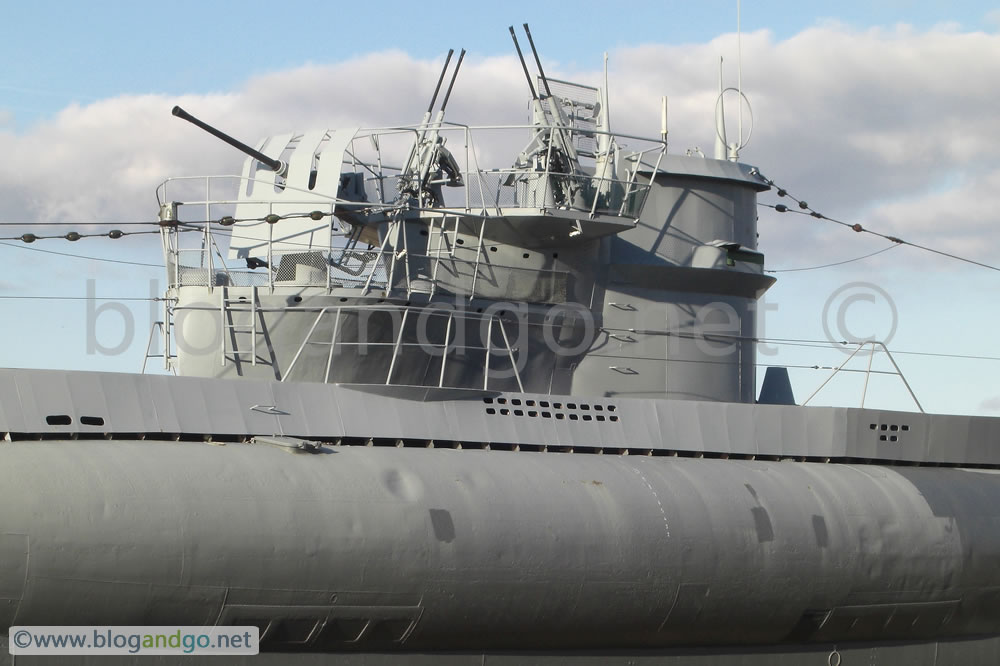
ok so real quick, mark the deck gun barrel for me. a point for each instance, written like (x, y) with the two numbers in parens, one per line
(437, 88)
(272, 164)
(538, 62)
(520, 56)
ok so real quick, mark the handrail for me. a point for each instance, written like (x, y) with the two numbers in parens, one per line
(868, 372)
(157, 325)
(365, 132)
(398, 345)
(487, 196)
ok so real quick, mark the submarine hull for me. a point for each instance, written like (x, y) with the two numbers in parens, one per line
(425, 549)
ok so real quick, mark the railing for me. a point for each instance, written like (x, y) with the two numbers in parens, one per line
(494, 190)
(500, 189)
(164, 330)
(373, 183)
(868, 372)
(584, 188)
(448, 345)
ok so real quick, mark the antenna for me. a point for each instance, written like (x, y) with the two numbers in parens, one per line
(663, 121)
(721, 144)
(739, 72)
(605, 97)
(724, 149)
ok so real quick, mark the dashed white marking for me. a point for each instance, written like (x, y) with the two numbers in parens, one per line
(663, 512)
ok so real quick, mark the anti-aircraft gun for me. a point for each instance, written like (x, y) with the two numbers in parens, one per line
(551, 150)
(431, 165)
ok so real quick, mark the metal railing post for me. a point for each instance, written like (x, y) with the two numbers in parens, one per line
(437, 252)
(467, 169)
(253, 324)
(329, 256)
(395, 349)
(305, 341)
(406, 259)
(333, 346)
(381, 257)
(222, 326)
(270, 254)
(395, 249)
(447, 343)
(207, 261)
(510, 352)
(486, 365)
(479, 254)
(868, 374)
(900, 373)
(166, 334)
(149, 344)
(832, 374)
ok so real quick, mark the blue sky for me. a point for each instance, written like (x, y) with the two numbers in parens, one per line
(88, 76)
(82, 52)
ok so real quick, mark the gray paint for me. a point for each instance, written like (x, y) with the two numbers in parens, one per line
(488, 549)
(671, 269)
(195, 407)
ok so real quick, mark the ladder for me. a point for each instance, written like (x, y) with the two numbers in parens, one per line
(230, 329)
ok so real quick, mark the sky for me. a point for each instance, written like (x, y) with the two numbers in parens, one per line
(876, 113)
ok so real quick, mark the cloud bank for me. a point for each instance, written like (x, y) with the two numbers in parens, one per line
(893, 128)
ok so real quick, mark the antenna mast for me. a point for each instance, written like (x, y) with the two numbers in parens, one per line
(723, 148)
(739, 72)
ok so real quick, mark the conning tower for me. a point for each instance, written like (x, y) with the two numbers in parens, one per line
(596, 264)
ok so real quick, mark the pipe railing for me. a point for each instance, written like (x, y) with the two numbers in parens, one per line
(399, 345)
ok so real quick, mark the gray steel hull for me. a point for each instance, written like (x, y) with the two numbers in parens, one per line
(368, 548)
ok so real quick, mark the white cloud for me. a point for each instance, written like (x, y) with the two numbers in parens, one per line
(893, 128)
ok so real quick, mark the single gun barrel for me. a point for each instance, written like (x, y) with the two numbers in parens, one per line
(273, 164)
